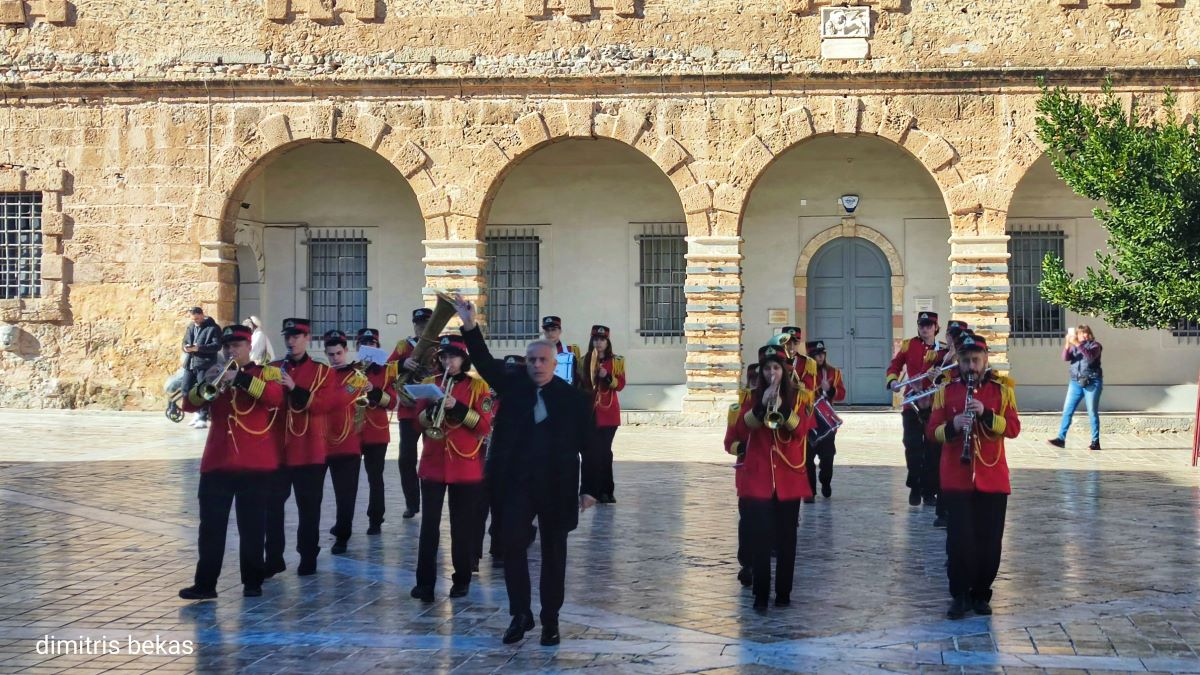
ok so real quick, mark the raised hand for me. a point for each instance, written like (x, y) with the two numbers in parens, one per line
(466, 311)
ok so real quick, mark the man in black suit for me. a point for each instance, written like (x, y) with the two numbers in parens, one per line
(539, 443)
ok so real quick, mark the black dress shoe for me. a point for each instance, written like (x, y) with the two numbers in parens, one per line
(940, 521)
(760, 602)
(783, 600)
(958, 609)
(982, 608)
(307, 567)
(409, 513)
(249, 591)
(550, 635)
(273, 569)
(194, 593)
(609, 499)
(516, 630)
(746, 576)
(810, 500)
(422, 593)
(459, 590)
(339, 547)
(930, 500)
(1094, 446)
(1057, 442)
(826, 491)
(914, 498)
(375, 529)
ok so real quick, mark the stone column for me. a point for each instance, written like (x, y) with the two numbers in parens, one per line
(713, 327)
(979, 289)
(218, 289)
(455, 266)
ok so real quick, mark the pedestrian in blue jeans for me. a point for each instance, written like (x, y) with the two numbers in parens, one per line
(1082, 352)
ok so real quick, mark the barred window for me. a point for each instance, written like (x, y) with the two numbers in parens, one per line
(1186, 329)
(337, 281)
(661, 248)
(20, 245)
(513, 283)
(1032, 315)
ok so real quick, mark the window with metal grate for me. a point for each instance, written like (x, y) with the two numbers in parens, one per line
(1032, 316)
(513, 283)
(661, 248)
(1187, 331)
(20, 245)
(337, 281)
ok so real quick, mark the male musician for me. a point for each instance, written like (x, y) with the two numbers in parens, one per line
(830, 387)
(568, 357)
(915, 359)
(344, 433)
(239, 456)
(803, 368)
(381, 400)
(302, 426)
(970, 419)
(406, 415)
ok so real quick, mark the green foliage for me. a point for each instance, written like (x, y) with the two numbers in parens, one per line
(1148, 178)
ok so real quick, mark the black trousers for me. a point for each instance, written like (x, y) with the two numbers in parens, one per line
(343, 473)
(772, 526)
(483, 506)
(825, 450)
(194, 377)
(743, 535)
(519, 509)
(373, 461)
(920, 454)
(464, 521)
(974, 535)
(247, 492)
(603, 454)
(409, 483)
(308, 482)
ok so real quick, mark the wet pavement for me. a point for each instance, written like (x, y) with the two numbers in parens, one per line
(1100, 573)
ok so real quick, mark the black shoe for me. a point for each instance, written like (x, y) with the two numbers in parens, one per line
(783, 600)
(339, 547)
(475, 566)
(307, 567)
(826, 491)
(422, 593)
(249, 591)
(333, 530)
(810, 500)
(760, 602)
(550, 635)
(982, 608)
(409, 513)
(1057, 442)
(940, 521)
(1094, 446)
(459, 590)
(914, 498)
(194, 593)
(929, 500)
(518, 627)
(375, 529)
(958, 609)
(273, 569)
(746, 576)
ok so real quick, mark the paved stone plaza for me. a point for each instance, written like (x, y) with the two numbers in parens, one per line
(1100, 572)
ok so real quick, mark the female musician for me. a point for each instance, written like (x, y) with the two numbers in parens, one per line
(831, 388)
(452, 461)
(603, 377)
(771, 431)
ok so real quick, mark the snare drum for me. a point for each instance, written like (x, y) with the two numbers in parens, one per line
(827, 421)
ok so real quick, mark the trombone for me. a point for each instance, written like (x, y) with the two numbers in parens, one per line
(930, 375)
(435, 430)
(209, 391)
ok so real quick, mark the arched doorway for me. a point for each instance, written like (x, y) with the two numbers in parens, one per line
(849, 307)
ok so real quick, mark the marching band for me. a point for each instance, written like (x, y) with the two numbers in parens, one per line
(276, 429)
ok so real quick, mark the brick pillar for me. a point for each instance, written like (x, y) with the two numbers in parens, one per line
(455, 266)
(979, 289)
(713, 327)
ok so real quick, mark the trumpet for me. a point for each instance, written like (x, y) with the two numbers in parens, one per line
(774, 418)
(911, 398)
(209, 391)
(931, 375)
(435, 430)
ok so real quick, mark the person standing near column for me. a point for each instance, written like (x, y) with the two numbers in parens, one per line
(347, 383)
(202, 345)
(603, 377)
(381, 400)
(239, 457)
(916, 358)
(831, 387)
(1082, 352)
(406, 417)
(970, 419)
(538, 466)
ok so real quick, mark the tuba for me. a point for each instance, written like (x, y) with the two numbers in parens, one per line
(424, 351)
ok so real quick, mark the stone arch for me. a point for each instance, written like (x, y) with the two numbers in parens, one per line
(849, 228)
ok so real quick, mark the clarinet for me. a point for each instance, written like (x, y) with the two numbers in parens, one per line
(968, 380)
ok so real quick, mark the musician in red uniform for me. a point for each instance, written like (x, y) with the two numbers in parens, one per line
(830, 387)
(302, 430)
(452, 462)
(970, 419)
(239, 457)
(603, 377)
(771, 431)
(381, 400)
(801, 366)
(347, 383)
(916, 357)
(567, 357)
(948, 356)
(745, 568)
(406, 416)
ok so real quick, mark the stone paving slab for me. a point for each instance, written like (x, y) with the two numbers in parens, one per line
(1101, 571)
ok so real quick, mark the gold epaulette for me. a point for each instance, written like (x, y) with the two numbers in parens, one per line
(805, 396)
(392, 370)
(939, 398)
(478, 387)
(271, 373)
(810, 366)
(618, 366)
(574, 349)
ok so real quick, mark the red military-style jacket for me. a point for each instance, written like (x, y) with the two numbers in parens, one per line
(735, 412)
(604, 392)
(774, 459)
(988, 470)
(804, 371)
(459, 457)
(382, 397)
(240, 434)
(400, 354)
(305, 416)
(913, 359)
(837, 388)
(344, 431)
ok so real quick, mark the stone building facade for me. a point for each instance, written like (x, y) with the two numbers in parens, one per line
(180, 148)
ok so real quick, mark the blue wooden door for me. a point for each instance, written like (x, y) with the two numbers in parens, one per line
(849, 307)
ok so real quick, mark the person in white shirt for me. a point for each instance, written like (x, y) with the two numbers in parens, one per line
(261, 351)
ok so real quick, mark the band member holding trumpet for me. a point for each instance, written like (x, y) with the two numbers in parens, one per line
(347, 393)
(456, 427)
(831, 388)
(381, 400)
(406, 416)
(771, 433)
(970, 419)
(948, 369)
(915, 360)
(239, 457)
(603, 377)
(302, 430)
